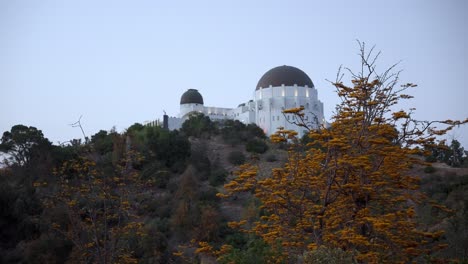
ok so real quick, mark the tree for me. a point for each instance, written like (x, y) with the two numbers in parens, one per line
(455, 154)
(99, 213)
(198, 125)
(452, 155)
(102, 142)
(352, 188)
(19, 143)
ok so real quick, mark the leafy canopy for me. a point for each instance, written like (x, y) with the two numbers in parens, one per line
(19, 143)
(351, 188)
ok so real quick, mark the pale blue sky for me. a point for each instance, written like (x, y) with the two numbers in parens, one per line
(121, 62)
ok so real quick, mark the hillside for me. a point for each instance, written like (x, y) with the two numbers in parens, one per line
(150, 196)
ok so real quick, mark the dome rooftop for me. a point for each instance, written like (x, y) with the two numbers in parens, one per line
(191, 96)
(286, 75)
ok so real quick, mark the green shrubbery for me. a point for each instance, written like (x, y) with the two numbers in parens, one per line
(323, 255)
(429, 169)
(256, 146)
(450, 191)
(236, 157)
(271, 157)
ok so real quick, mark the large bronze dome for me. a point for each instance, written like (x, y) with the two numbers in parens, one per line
(286, 75)
(191, 96)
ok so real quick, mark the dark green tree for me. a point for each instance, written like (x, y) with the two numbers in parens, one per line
(102, 142)
(198, 125)
(455, 153)
(20, 142)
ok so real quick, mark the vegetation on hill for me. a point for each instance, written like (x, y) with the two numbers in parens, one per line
(351, 191)
(223, 192)
(120, 197)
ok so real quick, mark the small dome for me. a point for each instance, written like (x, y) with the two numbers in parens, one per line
(286, 75)
(191, 96)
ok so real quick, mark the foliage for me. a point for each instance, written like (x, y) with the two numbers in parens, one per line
(20, 143)
(156, 173)
(353, 190)
(323, 255)
(235, 132)
(429, 169)
(450, 191)
(254, 251)
(256, 146)
(157, 144)
(102, 141)
(236, 157)
(198, 125)
(218, 174)
(185, 209)
(217, 177)
(453, 155)
(271, 157)
(98, 208)
(200, 161)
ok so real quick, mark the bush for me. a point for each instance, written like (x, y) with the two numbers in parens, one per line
(328, 256)
(429, 169)
(202, 164)
(255, 250)
(256, 146)
(199, 126)
(271, 158)
(431, 159)
(209, 196)
(217, 177)
(157, 174)
(236, 158)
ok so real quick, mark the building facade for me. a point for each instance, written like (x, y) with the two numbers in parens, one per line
(280, 88)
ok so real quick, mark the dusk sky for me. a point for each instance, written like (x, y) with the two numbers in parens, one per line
(120, 62)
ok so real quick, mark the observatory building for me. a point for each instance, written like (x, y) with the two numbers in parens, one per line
(278, 89)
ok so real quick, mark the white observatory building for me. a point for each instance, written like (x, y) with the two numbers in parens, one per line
(278, 89)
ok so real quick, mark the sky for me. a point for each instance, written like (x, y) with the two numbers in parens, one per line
(116, 63)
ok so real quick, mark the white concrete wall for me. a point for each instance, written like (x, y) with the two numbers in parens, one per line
(175, 123)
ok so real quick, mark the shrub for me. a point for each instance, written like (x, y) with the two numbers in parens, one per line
(256, 146)
(328, 256)
(236, 158)
(202, 164)
(217, 177)
(157, 174)
(271, 158)
(254, 251)
(429, 169)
